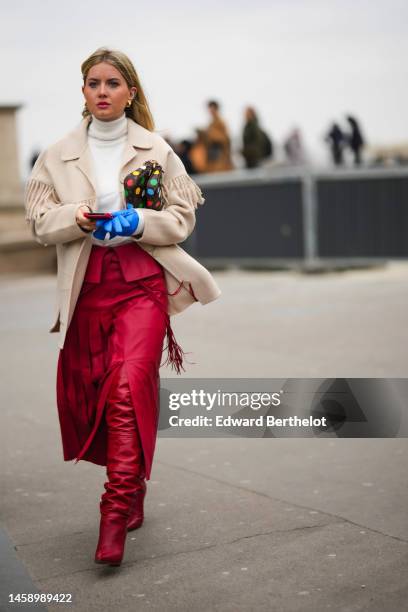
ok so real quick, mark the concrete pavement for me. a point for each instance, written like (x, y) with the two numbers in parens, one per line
(231, 524)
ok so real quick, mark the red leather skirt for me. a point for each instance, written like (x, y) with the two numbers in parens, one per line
(118, 327)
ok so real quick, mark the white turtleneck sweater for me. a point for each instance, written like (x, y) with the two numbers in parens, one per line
(106, 141)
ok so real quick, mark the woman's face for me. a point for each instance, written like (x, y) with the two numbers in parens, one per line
(106, 92)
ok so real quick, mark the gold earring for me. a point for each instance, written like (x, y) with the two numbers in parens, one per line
(129, 103)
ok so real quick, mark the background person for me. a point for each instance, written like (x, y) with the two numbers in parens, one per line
(257, 145)
(355, 139)
(217, 141)
(337, 140)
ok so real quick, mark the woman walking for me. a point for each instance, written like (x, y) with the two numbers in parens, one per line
(118, 283)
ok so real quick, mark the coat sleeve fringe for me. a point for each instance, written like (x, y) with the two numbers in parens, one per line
(185, 188)
(39, 197)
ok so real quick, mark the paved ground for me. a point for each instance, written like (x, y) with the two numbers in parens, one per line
(232, 524)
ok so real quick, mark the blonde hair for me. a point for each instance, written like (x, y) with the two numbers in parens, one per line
(139, 110)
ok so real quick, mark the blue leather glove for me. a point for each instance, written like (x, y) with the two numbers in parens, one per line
(100, 232)
(124, 223)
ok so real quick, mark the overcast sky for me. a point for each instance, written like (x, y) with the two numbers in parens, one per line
(299, 62)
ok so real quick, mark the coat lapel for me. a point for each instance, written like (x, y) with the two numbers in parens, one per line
(128, 160)
(75, 147)
(137, 138)
(85, 164)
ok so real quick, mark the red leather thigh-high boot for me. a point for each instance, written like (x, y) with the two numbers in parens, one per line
(124, 470)
(136, 517)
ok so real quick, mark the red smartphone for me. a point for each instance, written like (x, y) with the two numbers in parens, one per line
(96, 216)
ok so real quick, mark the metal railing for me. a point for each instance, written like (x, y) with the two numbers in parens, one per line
(302, 216)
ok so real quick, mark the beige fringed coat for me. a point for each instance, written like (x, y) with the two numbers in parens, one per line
(62, 180)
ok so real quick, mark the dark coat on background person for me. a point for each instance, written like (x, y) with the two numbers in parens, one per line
(355, 139)
(183, 150)
(336, 140)
(253, 144)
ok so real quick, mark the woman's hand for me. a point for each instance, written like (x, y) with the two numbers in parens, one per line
(82, 221)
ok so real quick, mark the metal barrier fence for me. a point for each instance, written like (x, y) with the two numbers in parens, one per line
(302, 217)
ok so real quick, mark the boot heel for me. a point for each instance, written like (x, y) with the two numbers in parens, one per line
(112, 538)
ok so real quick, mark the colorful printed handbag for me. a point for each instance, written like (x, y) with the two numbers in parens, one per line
(143, 186)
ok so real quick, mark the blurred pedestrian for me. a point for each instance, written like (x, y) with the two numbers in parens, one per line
(355, 139)
(183, 149)
(217, 141)
(198, 152)
(293, 147)
(34, 156)
(257, 145)
(337, 141)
